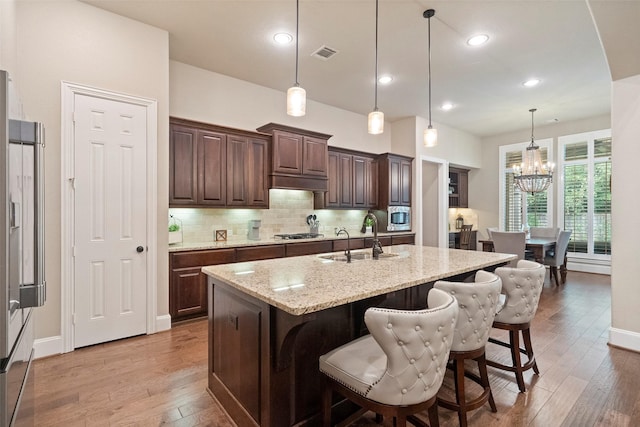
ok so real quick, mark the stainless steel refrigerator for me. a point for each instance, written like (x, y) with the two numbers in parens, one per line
(22, 283)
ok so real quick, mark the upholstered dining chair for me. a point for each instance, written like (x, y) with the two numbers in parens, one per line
(548, 232)
(491, 230)
(398, 369)
(521, 288)
(556, 259)
(465, 236)
(478, 302)
(509, 242)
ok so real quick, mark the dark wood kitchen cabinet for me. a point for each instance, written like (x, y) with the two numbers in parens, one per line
(394, 172)
(299, 158)
(353, 181)
(188, 285)
(214, 166)
(458, 188)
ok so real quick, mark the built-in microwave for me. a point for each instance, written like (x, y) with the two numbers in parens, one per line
(395, 218)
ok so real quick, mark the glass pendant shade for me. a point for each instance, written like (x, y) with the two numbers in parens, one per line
(296, 101)
(430, 137)
(375, 123)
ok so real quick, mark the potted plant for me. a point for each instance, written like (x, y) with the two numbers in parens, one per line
(368, 223)
(175, 231)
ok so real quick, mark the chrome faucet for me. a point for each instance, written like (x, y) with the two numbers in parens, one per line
(377, 246)
(347, 252)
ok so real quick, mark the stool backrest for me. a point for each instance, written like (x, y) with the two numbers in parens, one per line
(478, 302)
(522, 287)
(417, 345)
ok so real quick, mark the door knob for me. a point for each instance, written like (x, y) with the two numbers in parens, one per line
(140, 249)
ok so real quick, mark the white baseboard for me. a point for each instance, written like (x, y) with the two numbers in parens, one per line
(49, 346)
(624, 339)
(163, 323)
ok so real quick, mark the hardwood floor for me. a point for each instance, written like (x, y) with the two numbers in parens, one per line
(161, 379)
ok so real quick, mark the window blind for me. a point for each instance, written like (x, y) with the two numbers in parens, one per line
(576, 198)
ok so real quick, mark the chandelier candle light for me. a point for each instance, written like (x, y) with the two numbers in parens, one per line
(430, 134)
(296, 96)
(375, 123)
(533, 176)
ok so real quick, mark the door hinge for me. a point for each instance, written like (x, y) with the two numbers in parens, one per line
(72, 181)
(73, 251)
(73, 117)
(73, 319)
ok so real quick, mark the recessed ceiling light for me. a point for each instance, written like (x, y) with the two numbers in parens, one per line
(447, 106)
(385, 80)
(478, 40)
(283, 38)
(531, 83)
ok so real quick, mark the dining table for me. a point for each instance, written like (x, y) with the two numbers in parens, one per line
(538, 246)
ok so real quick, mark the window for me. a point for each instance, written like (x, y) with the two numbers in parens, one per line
(585, 196)
(513, 206)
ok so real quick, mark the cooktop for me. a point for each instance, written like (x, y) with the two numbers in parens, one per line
(297, 236)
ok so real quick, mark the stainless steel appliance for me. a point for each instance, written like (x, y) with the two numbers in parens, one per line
(22, 283)
(395, 218)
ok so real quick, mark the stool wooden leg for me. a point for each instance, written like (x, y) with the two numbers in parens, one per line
(460, 397)
(484, 377)
(526, 336)
(326, 404)
(514, 337)
(434, 420)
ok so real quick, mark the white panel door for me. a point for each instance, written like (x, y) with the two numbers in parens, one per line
(110, 220)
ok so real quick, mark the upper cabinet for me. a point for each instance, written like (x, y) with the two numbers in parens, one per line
(299, 158)
(394, 180)
(215, 166)
(353, 181)
(458, 188)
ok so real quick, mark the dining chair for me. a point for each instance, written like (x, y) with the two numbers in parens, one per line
(521, 288)
(478, 302)
(548, 232)
(491, 230)
(509, 242)
(556, 258)
(398, 368)
(465, 236)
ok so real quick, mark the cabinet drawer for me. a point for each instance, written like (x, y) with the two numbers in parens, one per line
(403, 240)
(255, 253)
(384, 241)
(341, 245)
(308, 248)
(202, 258)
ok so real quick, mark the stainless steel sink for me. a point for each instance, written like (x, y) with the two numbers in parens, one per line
(355, 256)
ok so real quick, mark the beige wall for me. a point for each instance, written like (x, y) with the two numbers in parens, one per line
(209, 97)
(484, 202)
(8, 51)
(625, 269)
(75, 42)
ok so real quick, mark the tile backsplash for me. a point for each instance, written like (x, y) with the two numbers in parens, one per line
(287, 213)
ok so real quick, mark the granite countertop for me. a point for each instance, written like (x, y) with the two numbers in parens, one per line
(305, 284)
(238, 242)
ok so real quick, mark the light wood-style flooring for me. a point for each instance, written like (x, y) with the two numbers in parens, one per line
(161, 379)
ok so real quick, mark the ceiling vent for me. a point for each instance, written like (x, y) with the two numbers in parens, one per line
(324, 53)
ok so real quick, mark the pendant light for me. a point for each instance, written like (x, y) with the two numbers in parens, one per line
(532, 176)
(430, 134)
(296, 96)
(375, 123)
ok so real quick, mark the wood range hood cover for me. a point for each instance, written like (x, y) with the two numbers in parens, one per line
(299, 157)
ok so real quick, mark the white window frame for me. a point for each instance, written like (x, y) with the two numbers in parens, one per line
(590, 162)
(502, 152)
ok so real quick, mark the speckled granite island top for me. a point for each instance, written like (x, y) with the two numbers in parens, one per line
(306, 284)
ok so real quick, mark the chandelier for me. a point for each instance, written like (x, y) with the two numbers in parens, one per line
(533, 176)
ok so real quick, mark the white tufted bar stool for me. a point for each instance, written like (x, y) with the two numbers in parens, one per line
(397, 369)
(478, 302)
(521, 287)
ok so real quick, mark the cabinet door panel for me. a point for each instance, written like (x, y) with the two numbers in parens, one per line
(360, 184)
(212, 173)
(183, 167)
(258, 171)
(405, 183)
(346, 183)
(236, 170)
(332, 197)
(394, 182)
(315, 151)
(188, 294)
(287, 153)
(308, 248)
(371, 183)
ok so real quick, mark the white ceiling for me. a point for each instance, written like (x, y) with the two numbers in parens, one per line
(553, 40)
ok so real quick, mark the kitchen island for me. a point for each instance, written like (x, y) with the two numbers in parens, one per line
(270, 320)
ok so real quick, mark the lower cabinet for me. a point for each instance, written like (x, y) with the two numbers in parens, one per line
(188, 285)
